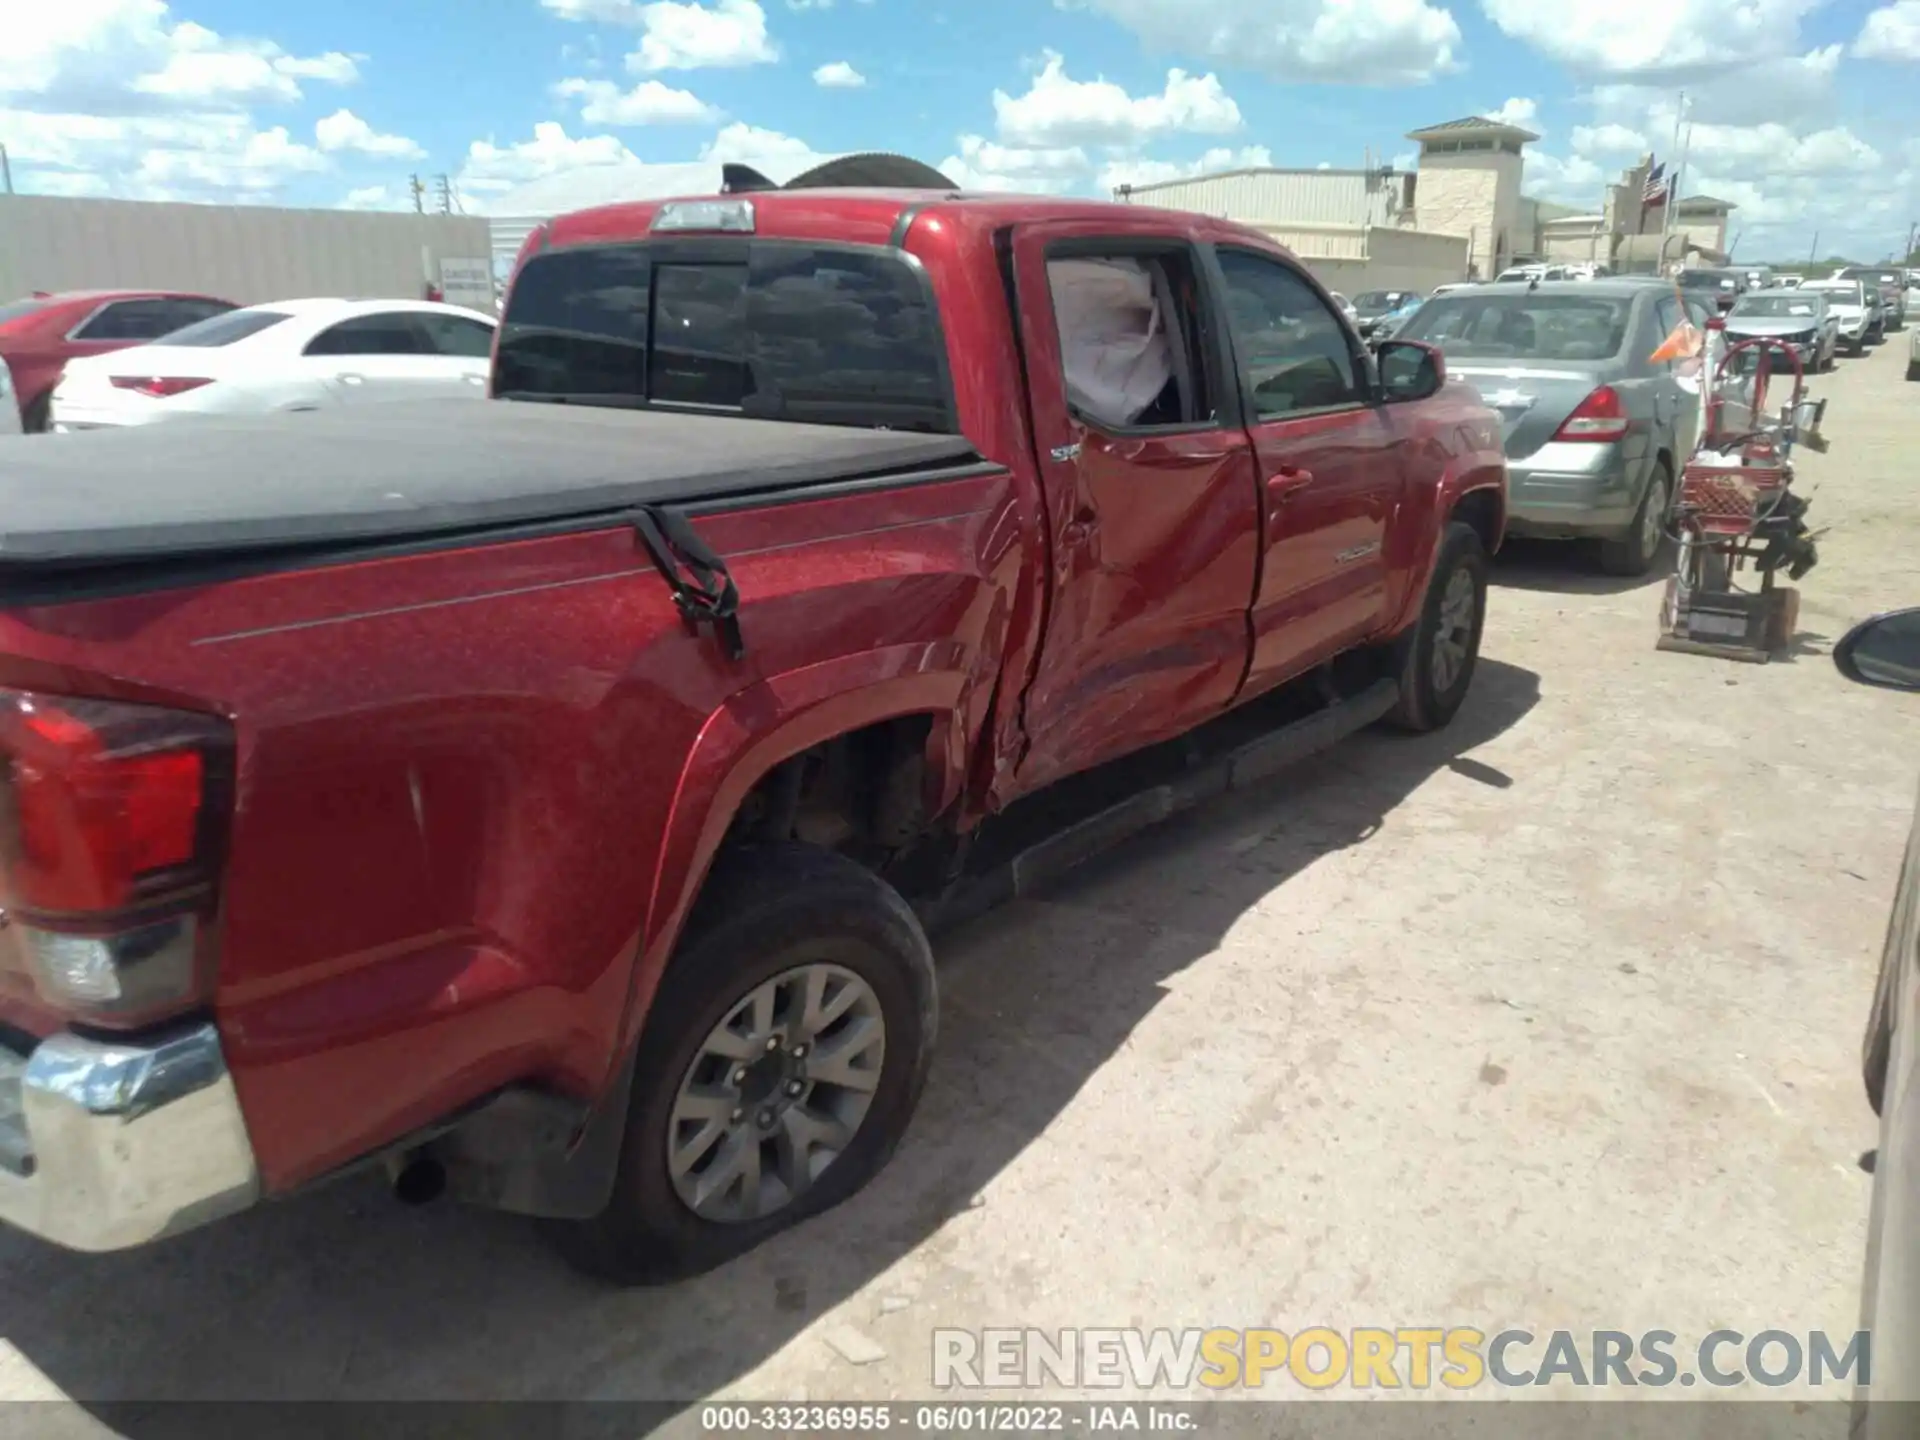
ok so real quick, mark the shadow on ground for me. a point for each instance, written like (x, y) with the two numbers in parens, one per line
(342, 1294)
(1569, 567)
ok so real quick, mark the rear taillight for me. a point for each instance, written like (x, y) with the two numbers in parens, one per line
(112, 819)
(160, 387)
(1601, 416)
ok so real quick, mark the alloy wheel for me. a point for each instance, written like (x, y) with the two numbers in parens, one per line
(776, 1093)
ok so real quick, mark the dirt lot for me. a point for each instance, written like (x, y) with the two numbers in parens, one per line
(1549, 1020)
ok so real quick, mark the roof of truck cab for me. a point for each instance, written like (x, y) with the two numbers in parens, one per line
(860, 217)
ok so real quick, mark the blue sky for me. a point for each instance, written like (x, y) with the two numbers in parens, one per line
(1804, 112)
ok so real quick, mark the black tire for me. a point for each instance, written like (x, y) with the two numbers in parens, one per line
(1913, 370)
(1634, 555)
(766, 909)
(1422, 705)
(37, 416)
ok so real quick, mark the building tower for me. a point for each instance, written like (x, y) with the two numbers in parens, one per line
(1469, 185)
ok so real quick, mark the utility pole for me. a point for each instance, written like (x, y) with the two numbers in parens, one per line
(443, 188)
(6, 171)
(1906, 256)
(419, 192)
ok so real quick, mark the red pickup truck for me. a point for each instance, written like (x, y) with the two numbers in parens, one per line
(548, 799)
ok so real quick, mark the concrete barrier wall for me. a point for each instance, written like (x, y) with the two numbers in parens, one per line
(243, 253)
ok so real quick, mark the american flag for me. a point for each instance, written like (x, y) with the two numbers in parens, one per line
(1654, 192)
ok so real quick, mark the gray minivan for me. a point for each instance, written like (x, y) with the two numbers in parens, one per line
(1595, 429)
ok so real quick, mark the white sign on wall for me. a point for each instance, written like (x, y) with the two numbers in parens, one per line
(467, 282)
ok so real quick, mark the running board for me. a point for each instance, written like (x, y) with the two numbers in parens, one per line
(1236, 769)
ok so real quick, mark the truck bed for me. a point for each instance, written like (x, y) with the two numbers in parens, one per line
(402, 470)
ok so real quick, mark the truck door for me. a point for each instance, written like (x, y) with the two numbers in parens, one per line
(1330, 471)
(1147, 474)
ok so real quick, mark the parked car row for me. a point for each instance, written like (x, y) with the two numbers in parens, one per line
(88, 360)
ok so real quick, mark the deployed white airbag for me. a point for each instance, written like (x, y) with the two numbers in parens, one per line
(1113, 337)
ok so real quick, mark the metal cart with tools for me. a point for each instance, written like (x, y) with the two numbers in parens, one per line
(1738, 525)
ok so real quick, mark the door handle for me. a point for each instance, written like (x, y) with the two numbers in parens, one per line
(1286, 480)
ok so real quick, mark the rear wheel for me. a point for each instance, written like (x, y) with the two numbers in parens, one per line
(780, 1064)
(1635, 553)
(1438, 655)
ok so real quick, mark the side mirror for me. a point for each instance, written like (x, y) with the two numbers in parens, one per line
(1409, 369)
(1883, 651)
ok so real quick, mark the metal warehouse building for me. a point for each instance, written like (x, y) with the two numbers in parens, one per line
(243, 253)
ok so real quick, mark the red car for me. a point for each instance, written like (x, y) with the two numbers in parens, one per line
(40, 334)
(549, 798)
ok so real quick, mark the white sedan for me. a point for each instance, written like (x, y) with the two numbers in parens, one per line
(288, 355)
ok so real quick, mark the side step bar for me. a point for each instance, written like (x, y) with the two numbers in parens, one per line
(1261, 759)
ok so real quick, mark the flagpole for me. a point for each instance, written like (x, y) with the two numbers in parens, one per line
(1673, 185)
(1681, 144)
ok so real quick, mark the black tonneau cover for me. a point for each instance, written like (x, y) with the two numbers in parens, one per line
(393, 471)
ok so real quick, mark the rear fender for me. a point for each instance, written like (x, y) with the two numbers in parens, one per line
(771, 722)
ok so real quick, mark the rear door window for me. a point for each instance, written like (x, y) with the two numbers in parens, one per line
(388, 333)
(835, 335)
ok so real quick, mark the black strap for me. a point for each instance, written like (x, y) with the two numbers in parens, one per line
(702, 588)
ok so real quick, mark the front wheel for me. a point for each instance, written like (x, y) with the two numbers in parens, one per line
(1437, 657)
(779, 1067)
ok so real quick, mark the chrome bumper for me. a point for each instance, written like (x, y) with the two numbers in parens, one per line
(104, 1145)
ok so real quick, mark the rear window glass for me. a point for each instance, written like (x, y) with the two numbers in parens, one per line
(17, 309)
(778, 331)
(1528, 326)
(1777, 307)
(225, 329)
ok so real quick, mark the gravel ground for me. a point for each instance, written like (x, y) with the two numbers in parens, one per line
(1550, 1020)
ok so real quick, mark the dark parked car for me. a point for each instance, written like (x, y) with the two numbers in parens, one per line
(1724, 286)
(1374, 309)
(39, 334)
(1885, 652)
(1595, 431)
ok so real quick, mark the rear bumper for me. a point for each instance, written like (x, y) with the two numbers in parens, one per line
(1566, 491)
(105, 1146)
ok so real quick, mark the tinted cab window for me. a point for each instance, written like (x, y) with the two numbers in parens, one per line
(137, 320)
(1292, 349)
(839, 336)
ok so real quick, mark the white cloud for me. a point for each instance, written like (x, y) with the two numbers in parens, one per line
(553, 172)
(606, 12)
(257, 168)
(1571, 180)
(132, 56)
(1353, 42)
(1152, 172)
(839, 75)
(1628, 37)
(693, 36)
(648, 103)
(1517, 111)
(374, 197)
(550, 151)
(1057, 110)
(344, 130)
(982, 164)
(1891, 33)
(1610, 139)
